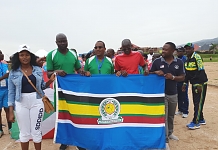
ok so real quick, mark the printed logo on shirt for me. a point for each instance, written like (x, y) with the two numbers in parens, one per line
(162, 66)
(176, 66)
(39, 120)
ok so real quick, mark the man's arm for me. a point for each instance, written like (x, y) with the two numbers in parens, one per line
(145, 68)
(77, 66)
(178, 78)
(143, 64)
(49, 73)
(58, 72)
(181, 73)
(49, 64)
(200, 66)
(118, 70)
(4, 76)
(50, 67)
(40, 61)
(116, 65)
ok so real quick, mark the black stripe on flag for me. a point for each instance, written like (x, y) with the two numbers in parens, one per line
(97, 100)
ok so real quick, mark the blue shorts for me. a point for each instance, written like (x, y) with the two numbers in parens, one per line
(3, 98)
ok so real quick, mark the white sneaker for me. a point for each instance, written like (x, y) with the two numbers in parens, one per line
(178, 113)
(167, 146)
(173, 137)
(184, 115)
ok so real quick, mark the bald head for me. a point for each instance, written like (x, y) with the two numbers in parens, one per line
(126, 42)
(126, 46)
(61, 41)
(60, 36)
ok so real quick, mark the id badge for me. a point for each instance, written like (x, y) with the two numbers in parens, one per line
(3, 83)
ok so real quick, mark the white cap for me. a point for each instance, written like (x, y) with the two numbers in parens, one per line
(41, 53)
(24, 47)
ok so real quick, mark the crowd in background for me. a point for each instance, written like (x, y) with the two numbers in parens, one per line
(178, 70)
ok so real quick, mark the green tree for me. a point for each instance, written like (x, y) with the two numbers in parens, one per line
(213, 47)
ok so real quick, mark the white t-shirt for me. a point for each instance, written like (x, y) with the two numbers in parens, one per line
(150, 58)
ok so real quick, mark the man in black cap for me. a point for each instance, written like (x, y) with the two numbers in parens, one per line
(183, 101)
(195, 73)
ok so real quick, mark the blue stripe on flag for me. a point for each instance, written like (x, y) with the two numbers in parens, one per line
(110, 84)
(120, 138)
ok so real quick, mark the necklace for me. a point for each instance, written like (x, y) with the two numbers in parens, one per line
(26, 70)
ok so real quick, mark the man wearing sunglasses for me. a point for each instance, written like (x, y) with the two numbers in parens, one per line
(98, 64)
(128, 62)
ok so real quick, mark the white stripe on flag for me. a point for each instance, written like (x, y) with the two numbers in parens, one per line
(111, 125)
(48, 124)
(111, 95)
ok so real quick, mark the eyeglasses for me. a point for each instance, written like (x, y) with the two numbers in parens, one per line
(96, 47)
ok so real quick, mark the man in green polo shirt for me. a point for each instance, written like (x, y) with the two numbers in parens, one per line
(99, 64)
(62, 61)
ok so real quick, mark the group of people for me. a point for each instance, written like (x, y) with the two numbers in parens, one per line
(18, 95)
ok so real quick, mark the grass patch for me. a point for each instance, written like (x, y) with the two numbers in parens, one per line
(206, 57)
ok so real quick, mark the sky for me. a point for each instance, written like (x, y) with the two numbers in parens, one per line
(147, 23)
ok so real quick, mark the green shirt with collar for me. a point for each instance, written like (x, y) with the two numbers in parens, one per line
(94, 66)
(68, 62)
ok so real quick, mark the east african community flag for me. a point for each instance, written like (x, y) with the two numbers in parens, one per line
(105, 112)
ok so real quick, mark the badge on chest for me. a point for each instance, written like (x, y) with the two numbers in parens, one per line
(3, 83)
(161, 66)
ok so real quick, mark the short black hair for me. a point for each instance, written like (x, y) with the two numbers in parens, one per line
(145, 55)
(172, 45)
(88, 55)
(16, 62)
(102, 43)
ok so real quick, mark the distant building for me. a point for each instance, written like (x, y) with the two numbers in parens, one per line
(146, 49)
(205, 47)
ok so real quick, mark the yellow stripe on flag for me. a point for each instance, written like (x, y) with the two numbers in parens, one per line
(78, 109)
(142, 109)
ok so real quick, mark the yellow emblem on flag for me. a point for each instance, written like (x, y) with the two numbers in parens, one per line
(109, 109)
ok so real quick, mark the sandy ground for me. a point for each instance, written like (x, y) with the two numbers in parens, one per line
(205, 138)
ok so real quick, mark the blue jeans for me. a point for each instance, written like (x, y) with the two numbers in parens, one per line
(183, 101)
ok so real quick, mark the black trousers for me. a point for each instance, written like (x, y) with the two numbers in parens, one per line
(198, 100)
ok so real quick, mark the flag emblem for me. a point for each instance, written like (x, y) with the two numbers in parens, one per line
(109, 110)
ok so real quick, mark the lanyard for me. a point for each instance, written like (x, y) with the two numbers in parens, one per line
(99, 64)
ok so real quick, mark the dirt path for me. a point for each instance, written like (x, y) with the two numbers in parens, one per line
(205, 138)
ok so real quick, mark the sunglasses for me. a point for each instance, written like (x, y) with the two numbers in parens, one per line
(96, 47)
